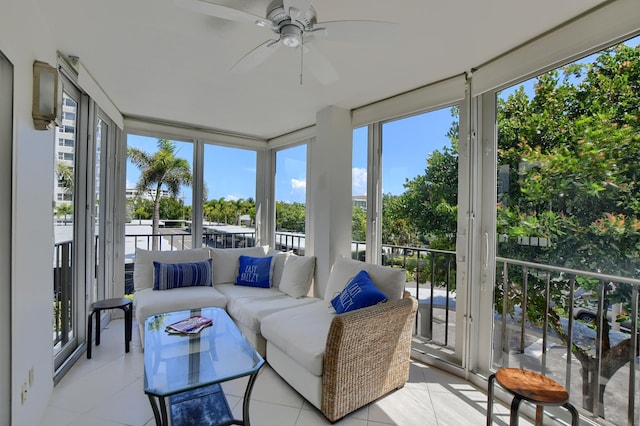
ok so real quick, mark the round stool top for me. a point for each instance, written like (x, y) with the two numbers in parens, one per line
(532, 386)
(118, 302)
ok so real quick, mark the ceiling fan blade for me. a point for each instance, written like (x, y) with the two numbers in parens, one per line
(257, 56)
(356, 31)
(319, 65)
(223, 12)
(296, 9)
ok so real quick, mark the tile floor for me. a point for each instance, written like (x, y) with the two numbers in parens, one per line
(107, 390)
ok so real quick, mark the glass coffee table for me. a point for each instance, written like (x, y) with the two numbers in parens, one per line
(183, 373)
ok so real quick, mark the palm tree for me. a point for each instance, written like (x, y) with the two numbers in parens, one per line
(160, 169)
(64, 174)
(65, 210)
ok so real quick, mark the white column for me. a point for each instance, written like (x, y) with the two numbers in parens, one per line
(265, 198)
(329, 191)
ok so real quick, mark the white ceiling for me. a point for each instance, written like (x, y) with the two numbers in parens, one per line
(155, 59)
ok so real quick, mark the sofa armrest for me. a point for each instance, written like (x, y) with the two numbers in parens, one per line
(367, 355)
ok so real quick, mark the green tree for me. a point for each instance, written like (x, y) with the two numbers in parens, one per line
(171, 208)
(568, 173)
(290, 217)
(358, 224)
(158, 170)
(428, 209)
(64, 210)
(64, 173)
(397, 229)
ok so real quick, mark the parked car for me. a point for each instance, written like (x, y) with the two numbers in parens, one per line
(588, 313)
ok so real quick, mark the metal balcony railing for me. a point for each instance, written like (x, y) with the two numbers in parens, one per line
(580, 328)
(62, 293)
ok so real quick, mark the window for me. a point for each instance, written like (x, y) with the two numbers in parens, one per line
(65, 156)
(359, 192)
(167, 164)
(420, 214)
(65, 216)
(419, 180)
(568, 162)
(291, 193)
(229, 191)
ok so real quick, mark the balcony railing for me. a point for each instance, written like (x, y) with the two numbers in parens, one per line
(62, 294)
(580, 328)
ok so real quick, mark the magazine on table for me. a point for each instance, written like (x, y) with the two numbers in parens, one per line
(191, 325)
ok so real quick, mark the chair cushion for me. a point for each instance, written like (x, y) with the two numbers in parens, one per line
(297, 275)
(301, 333)
(359, 293)
(227, 261)
(390, 281)
(143, 267)
(249, 305)
(150, 302)
(167, 276)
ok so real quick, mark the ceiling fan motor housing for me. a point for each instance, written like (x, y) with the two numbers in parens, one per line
(283, 22)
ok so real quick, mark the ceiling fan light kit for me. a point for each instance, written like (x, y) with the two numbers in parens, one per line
(291, 35)
(295, 22)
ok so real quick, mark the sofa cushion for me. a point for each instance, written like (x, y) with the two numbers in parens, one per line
(167, 276)
(248, 306)
(227, 261)
(143, 267)
(297, 275)
(279, 259)
(359, 293)
(255, 271)
(150, 302)
(390, 281)
(301, 333)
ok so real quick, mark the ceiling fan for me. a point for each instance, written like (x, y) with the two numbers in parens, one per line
(295, 23)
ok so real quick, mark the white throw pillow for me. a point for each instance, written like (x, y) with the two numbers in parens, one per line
(143, 267)
(390, 281)
(279, 258)
(227, 261)
(297, 275)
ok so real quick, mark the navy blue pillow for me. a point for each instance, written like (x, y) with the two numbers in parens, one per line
(359, 293)
(255, 271)
(174, 275)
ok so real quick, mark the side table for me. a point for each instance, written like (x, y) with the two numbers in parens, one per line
(533, 387)
(117, 303)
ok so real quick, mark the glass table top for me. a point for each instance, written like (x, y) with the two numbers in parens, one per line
(175, 363)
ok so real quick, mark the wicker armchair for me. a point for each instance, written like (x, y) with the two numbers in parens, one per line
(367, 355)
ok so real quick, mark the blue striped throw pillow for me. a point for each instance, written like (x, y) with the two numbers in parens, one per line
(175, 275)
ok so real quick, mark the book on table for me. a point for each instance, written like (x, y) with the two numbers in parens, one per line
(191, 325)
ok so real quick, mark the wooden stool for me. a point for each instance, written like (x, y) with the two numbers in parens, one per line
(533, 387)
(117, 303)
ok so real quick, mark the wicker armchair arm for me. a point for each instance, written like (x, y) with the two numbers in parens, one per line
(367, 355)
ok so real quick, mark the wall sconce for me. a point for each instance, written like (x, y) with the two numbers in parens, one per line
(45, 96)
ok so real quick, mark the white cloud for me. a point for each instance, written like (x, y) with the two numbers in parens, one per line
(359, 181)
(231, 197)
(298, 185)
(130, 185)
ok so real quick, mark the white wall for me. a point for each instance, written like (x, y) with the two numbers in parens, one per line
(24, 38)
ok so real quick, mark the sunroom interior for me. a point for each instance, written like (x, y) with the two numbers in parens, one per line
(162, 70)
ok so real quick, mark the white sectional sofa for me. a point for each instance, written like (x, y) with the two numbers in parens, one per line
(338, 362)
